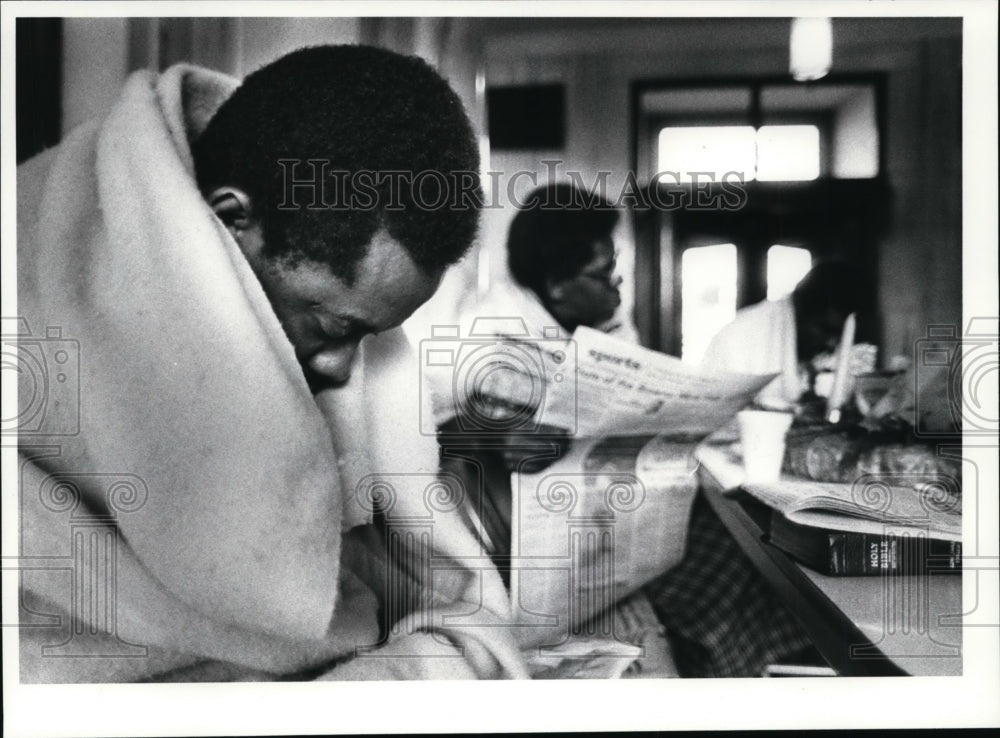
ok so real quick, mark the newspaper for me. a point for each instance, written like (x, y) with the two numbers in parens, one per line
(591, 385)
(626, 389)
(591, 529)
(641, 651)
(613, 512)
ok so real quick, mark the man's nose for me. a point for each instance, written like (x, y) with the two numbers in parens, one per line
(616, 281)
(334, 363)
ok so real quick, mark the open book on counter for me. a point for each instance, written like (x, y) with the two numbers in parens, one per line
(868, 506)
(881, 523)
(868, 528)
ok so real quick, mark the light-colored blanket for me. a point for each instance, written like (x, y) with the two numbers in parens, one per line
(183, 435)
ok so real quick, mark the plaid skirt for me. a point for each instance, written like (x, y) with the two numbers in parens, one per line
(721, 616)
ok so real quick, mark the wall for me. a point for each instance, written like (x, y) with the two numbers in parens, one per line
(100, 52)
(855, 150)
(920, 261)
(262, 40)
(95, 58)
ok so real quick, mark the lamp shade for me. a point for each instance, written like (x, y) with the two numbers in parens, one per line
(811, 48)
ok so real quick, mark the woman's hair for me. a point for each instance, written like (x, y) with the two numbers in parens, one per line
(553, 234)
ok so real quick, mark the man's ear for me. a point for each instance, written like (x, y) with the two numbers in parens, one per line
(233, 207)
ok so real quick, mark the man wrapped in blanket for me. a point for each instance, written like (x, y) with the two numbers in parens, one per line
(228, 444)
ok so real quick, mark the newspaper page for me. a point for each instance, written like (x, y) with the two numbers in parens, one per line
(640, 651)
(592, 528)
(624, 389)
(500, 379)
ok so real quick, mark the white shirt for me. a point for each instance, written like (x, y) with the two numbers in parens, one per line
(761, 340)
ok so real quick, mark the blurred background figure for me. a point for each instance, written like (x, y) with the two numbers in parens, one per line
(561, 258)
(787, 335)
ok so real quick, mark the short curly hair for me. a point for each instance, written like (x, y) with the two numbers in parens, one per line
(553, 234)
(357, 109)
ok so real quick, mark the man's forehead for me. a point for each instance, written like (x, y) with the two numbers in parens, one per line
(387, 286)
(386, 261)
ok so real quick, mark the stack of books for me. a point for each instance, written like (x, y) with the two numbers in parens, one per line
(870, 528)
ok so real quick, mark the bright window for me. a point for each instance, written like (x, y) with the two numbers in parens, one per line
(787, 153)
(710, 149)
(708, 296)
(786, 266)
(769, 153)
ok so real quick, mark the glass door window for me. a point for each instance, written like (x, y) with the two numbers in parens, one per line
(786, 266)
(708, 296)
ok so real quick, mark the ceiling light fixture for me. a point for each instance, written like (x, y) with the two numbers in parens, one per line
(811, 48)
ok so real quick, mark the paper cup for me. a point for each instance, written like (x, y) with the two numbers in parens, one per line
(762, 434)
